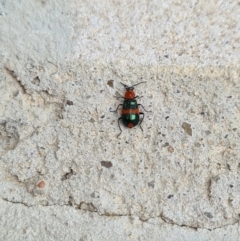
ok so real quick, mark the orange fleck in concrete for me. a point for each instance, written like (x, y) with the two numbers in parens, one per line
(41, 184)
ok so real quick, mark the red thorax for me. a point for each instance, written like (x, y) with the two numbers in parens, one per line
(129, 95)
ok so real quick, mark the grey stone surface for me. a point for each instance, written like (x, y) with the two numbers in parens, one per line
(66, 223)
(65, 175)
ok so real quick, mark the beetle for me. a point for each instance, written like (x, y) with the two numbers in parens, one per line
(130, 114)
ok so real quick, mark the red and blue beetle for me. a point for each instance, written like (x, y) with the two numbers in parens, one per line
(130, 114)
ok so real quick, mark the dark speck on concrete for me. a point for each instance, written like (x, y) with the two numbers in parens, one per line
(69, 102)
(166, 144)
(151, 184)
(208, 214)
(92, 120)
(106, 164)
(110, 83)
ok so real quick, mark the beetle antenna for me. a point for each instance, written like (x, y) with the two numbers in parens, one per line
(124, 85)
(140, 83)
(131, 87)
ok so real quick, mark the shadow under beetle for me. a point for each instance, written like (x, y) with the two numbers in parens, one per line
(130, 114)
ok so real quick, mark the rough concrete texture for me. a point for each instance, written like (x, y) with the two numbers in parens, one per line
(65, 175)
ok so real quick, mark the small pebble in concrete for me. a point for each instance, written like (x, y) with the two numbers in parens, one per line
(187, 128)
(208, 214)
(197, 144)
(170, 149)
(92, 120)
(207, 132)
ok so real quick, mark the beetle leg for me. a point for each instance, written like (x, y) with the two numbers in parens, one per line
(117, 108)
(119, 126)
(141, 113)
(138, 97)
(144, 108)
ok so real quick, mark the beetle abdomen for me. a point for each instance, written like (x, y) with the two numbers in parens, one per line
(130, 120)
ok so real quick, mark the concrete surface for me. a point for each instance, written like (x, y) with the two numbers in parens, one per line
(64, 173)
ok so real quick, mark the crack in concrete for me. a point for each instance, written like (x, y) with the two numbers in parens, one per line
(169, 221)
(15, 77)
(42, 93)
(83, 206)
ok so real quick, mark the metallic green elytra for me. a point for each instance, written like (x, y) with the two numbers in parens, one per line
(130, 104)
